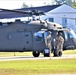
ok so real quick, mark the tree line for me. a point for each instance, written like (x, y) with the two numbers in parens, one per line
(71, 3)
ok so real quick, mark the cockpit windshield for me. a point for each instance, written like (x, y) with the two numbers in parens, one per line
(45, 34)
(38, 36)
(72, 34)
(66, 36)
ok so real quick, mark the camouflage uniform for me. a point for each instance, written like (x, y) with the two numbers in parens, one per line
(59, 40)
(48, 41)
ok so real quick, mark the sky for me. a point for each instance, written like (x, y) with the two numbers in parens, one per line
(15, 4)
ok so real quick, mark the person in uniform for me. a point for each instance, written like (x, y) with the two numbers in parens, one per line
(48, 45)
(59, 41)
(48, 41)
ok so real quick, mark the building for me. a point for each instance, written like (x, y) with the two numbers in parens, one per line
(64, 15)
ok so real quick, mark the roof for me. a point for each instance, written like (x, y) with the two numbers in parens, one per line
(9, 14)
(63, 8)
(42, 8)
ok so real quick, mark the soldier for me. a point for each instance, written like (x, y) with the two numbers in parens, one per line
(48, 41)
(48, 45)
(59, 40)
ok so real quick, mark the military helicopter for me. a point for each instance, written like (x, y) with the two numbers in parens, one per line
(25, 36)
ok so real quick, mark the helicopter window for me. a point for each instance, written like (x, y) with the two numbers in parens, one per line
(72, 34)
(17, 20)
(45, 34)
(38, 36)
(66, 35)
(26, 35)
(51, 19)
(0, 23)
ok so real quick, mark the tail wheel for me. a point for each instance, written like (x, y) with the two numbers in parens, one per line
(46, 53)
(36, 53)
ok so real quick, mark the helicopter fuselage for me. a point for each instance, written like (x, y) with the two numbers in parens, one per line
(21, 37)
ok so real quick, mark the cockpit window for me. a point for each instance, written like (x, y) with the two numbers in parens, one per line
(66, 35)
(72, 34)
(45, 34)
(38, 36)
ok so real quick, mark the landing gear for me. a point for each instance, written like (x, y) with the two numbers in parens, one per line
(57, 53)
(46, 53)
(60, 53)
(36, 53)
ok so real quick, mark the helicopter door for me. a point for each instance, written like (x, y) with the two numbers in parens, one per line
(21, 41)
(72, 39)
(38, 43)
(66, 39)
(28, 41)
(69, 43)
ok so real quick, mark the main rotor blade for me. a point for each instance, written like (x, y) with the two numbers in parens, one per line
(29, 12)
(18, 11)
(37, 13)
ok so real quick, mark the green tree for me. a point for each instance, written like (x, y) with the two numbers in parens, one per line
(74, 4)
(46, 4)
(24, 5)
(68, 2)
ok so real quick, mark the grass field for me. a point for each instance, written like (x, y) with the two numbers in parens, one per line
(31, 67)
(4, 54)
(28, 67)
(30, 53)
(69, 52)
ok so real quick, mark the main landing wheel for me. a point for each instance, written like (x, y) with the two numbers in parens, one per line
(46, 53)
(60, 53)
(55, 53)
(36, 53)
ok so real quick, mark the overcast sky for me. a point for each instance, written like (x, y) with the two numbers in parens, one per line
(14, 4)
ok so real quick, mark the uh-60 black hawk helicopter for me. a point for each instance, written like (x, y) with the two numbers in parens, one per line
(23, 36)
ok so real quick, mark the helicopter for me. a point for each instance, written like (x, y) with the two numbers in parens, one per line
(26, 36)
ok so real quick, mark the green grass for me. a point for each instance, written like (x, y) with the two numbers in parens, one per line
(16, 54)
(28, 67)
(69, 52)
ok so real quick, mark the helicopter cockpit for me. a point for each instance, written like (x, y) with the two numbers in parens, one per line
(69, 39)
(38, 36)
(72, 34)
